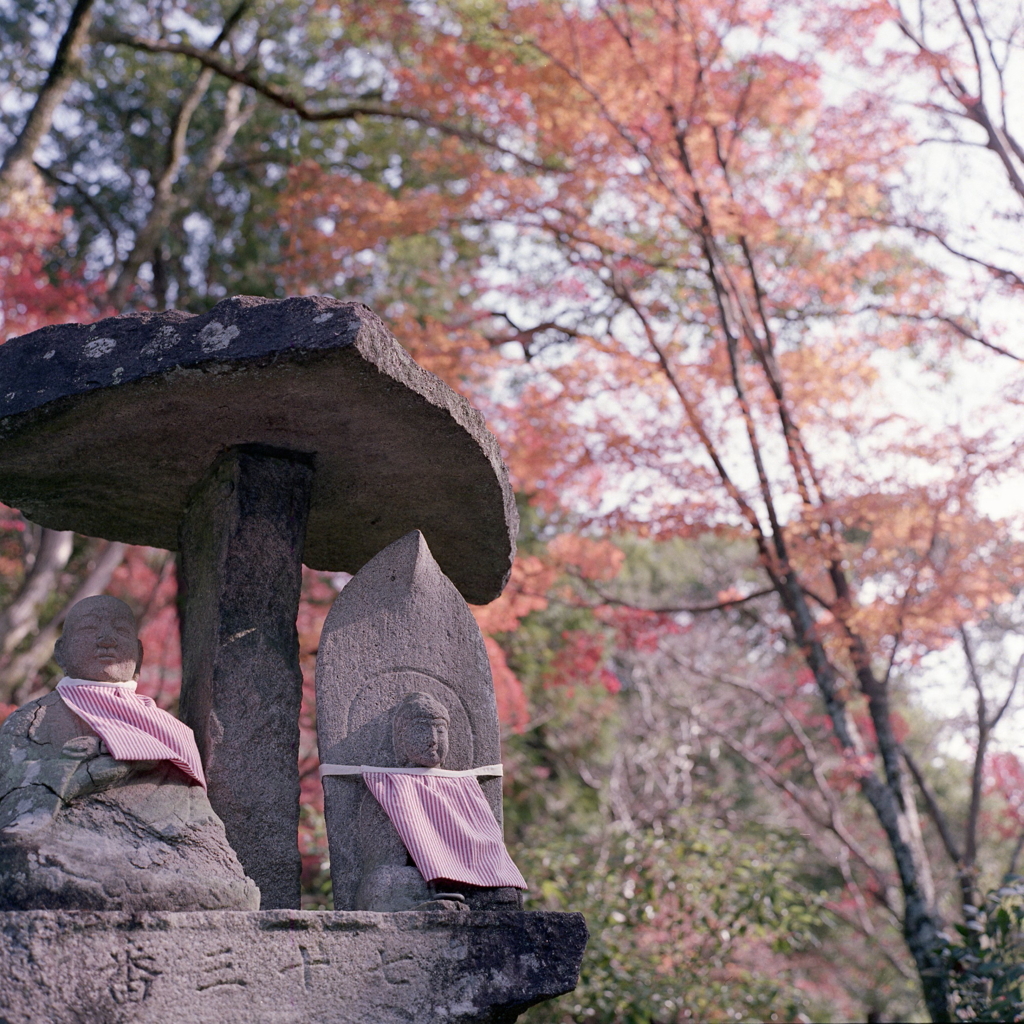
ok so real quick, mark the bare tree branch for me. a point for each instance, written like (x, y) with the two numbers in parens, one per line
(697, 609)
(300, 106)
(964, 332)
(836, 823)
(972, 106)
(1009, 697)
(934, 811)
(926, 232)
(770, 773)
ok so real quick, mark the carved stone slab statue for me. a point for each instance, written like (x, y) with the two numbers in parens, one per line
(403, 683)
(102, 798)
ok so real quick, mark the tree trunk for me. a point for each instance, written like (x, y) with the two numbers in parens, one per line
(165, 202)
(20, 182)
(162, 208)
(890, 800)
(18, 677)
(21, 617)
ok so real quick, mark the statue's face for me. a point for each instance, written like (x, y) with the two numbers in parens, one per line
(100, 643)
(421, 742)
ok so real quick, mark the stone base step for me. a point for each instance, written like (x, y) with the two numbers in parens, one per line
(283, 966)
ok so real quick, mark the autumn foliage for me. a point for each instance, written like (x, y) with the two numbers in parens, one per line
(707, 299)
(669, 249)
(37, 287)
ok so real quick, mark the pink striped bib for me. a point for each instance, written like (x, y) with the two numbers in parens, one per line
(447, 827)
(131, 725)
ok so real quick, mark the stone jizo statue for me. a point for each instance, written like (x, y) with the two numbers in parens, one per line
(390, 879)
(409, 745)
(103, 803)
(427, 834)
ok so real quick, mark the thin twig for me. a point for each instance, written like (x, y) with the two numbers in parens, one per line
(672, 609)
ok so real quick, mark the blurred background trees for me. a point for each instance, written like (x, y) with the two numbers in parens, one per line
(736, 284)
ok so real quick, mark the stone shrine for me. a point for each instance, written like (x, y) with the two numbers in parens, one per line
(255, 438)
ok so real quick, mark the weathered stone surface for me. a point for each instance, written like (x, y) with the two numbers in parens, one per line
(81, 830)
(284, 967)
(105, 429)
(399, 627)
(241, 572)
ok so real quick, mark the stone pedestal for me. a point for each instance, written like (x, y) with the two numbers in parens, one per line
(283, 966)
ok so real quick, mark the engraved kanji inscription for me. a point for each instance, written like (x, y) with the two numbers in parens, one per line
(397, 966)
(219, 970)
(134, 974)
(309, 961)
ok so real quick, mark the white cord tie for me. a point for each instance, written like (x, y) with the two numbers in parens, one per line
(494, 770)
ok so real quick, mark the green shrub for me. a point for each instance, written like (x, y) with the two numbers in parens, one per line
(987, 964)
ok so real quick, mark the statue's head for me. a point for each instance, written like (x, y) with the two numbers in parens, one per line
(100, 641)
(421, 731)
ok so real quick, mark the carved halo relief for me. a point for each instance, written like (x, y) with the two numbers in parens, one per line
(371, 715)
